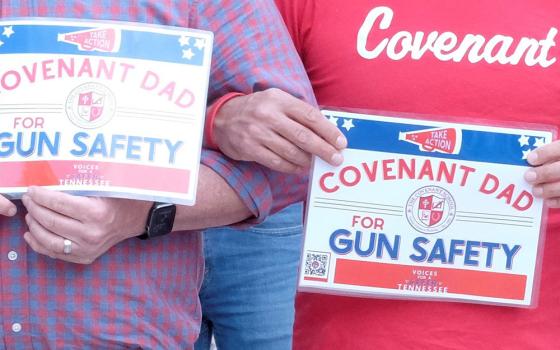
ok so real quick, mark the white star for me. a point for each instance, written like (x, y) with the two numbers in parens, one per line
(199, 43)
(348, 124)
(333, 120)
(539, 142)
(526, 153)
(8, 31)
(188, 54)
(1, 43)
(184, 40)
(523, 141)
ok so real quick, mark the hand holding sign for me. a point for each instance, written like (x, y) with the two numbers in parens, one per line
(276, 130)
(545, 177)
(92, 224)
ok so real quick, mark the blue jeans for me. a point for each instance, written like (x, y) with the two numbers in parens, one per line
(250, 282)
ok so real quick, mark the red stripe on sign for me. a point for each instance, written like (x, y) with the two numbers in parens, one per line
(316, 279)
(56, 172)
(469, 282)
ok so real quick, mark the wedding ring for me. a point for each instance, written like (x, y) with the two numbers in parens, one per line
(67, 246)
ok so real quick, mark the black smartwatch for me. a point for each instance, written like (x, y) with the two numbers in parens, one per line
(160, 220)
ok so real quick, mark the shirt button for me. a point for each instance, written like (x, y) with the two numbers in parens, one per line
(16, 327)
(12, 255)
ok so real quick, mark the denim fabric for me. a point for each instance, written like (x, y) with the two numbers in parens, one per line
(250, 282)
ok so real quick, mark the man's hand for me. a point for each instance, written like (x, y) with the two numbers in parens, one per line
(92, 224)
(7, 208)
(276, 130)
(545, 177)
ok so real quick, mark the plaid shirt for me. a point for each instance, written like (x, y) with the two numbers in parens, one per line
(144, 294)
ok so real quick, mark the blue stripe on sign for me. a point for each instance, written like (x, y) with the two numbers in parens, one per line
(43, 39)
(479, 146)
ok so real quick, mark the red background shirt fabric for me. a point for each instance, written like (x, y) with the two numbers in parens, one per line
(326, 36)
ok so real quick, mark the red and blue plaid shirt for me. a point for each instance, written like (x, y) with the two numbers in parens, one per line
(144, 294)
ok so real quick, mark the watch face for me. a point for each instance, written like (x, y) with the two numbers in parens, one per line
(161, 219)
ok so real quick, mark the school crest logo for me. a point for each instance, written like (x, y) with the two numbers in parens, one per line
(90, 105)
(430, 209)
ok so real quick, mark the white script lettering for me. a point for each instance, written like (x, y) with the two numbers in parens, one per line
(447, 46)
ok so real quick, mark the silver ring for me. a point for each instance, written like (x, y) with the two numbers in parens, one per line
(67, 246)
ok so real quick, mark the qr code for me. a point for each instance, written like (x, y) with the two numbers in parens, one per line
(317, 264)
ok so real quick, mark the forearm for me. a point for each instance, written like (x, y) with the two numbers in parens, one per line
(217, 204)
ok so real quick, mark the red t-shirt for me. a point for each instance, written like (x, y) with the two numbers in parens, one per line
(478, 59)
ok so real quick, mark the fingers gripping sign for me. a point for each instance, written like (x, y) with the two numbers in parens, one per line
(277, 130)
(79, 229)
(545, 176)
(47, 243)
(7, 208)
